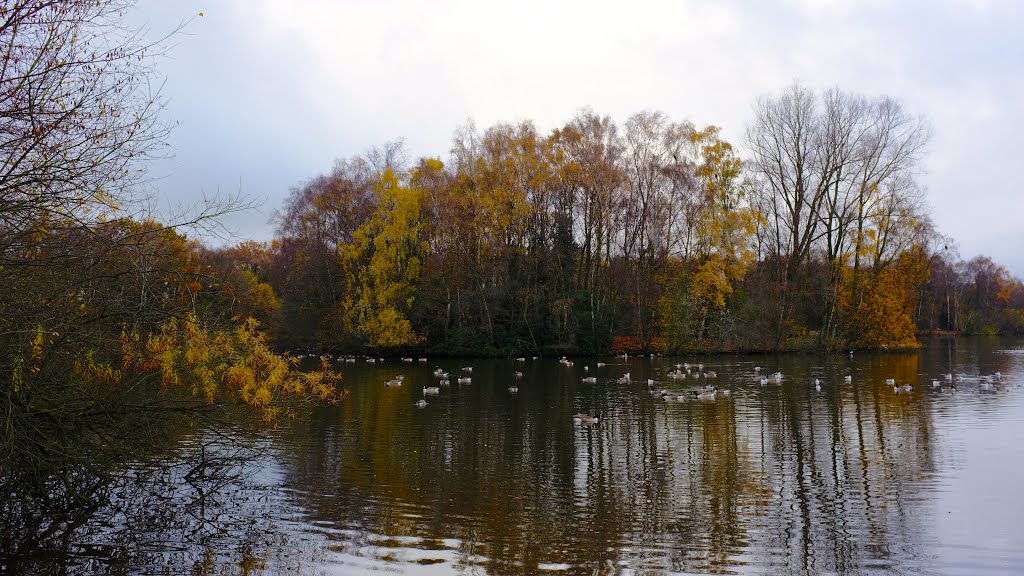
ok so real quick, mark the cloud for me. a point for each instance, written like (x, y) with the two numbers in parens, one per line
(271, 91)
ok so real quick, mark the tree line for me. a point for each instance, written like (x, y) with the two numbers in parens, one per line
(652, 235)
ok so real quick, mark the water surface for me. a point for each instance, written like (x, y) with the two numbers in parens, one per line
(786, 479)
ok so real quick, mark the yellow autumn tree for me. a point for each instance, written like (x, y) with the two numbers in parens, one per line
(384, 262)
(724, 225)
(883, 319)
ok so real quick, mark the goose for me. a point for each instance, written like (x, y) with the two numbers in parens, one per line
(890, 381)
(423, 359)
(421, 403)
(586, 368)
(521, 359)
(370, 360)
(392, 383)
(513, 389)
(997, 375)
(624, 379)
(723, 392)
(590, 380)
(431, 390)
(757, 369)
(517, 375)
(438, 372)
(406, 359)
(985, 386)
(465, 380)
(764, 381)
(711, 374)
(650, 382)
(584, 419)
(817, 385)
(707, 395)
(467, 369)
(700, 367)
(535, 357)
(679, 366)
(848, 378)
(948, 377)
(446, 382)
(601, 364)
(903, 389)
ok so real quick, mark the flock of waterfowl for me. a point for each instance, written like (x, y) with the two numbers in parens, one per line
(707, 392)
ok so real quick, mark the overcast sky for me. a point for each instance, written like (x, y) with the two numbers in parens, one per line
(270, 92)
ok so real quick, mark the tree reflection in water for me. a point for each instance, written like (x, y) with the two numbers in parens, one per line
(209, 506)
(775, 479)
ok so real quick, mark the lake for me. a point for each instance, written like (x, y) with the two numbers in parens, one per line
(775, 479)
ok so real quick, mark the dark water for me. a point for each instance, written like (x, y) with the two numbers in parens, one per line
(853, 479)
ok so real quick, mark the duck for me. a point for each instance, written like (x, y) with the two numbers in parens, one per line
(601, 364)
(848, 378)
(431, 390)
(467, 369)
(590, 380)
(936, 384)
(465, 380)
(423, 359)
(518, 375)
(513, 389)
(393, 383)
(711, 374)
(446, 382)
(903, 389)
(585, 419)
(817, 385)
(890, 381)
(624, 379)
(521, 359)
(757, 369)
(421, 403)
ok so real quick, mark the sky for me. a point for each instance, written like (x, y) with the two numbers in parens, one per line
(269, 93)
